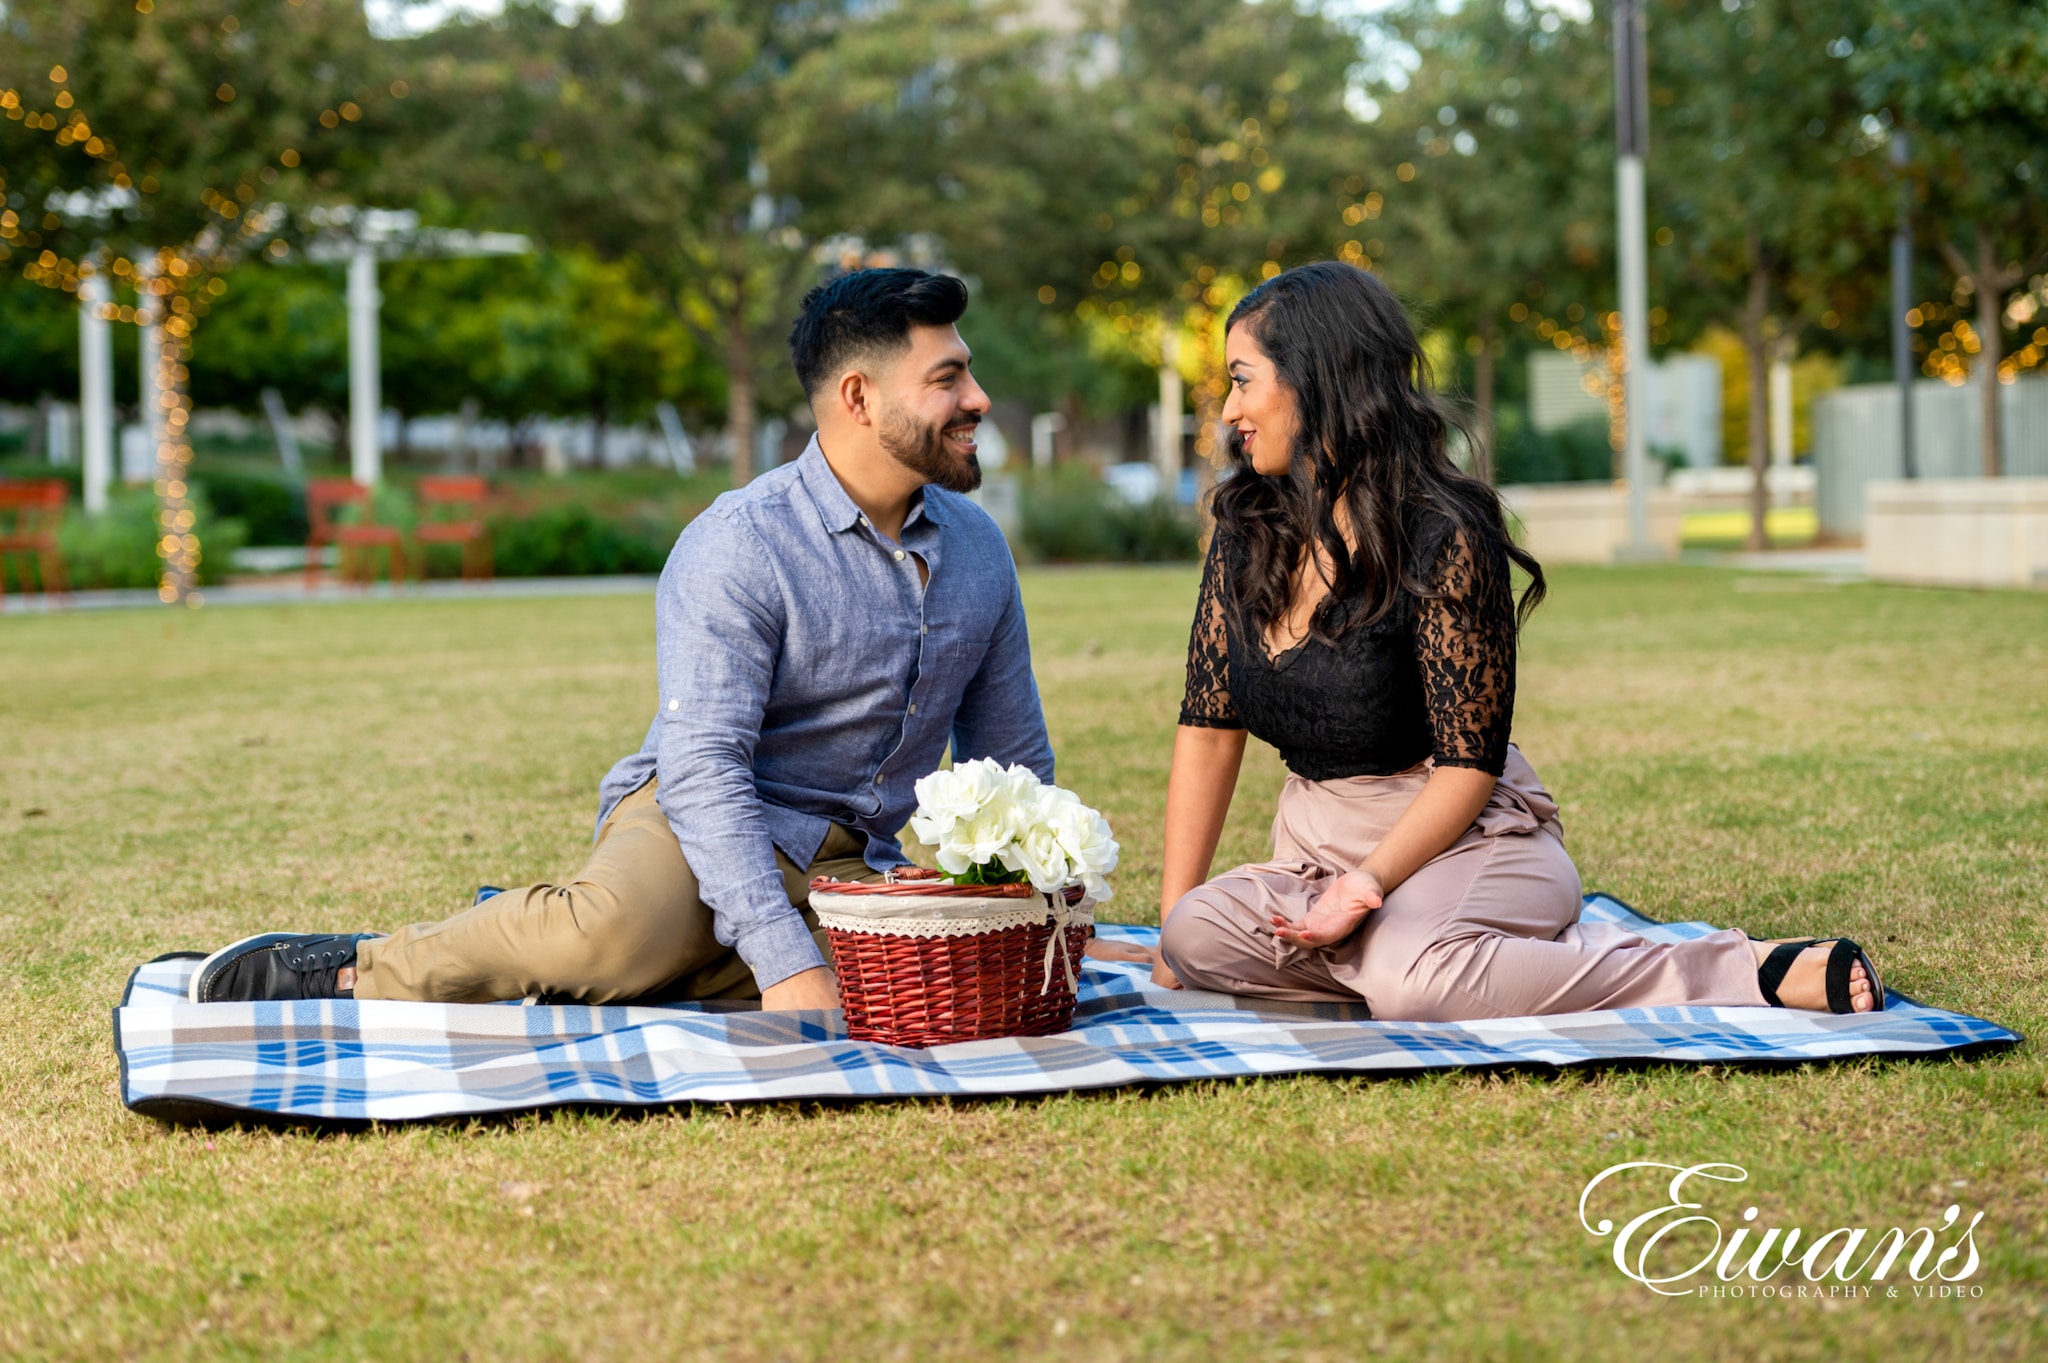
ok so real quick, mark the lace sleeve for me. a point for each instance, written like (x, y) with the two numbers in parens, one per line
(1465, 641)
(1206, 703)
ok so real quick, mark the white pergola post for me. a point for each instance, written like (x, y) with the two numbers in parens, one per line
(96, 389)
(150, 399)
(365, 400)
(1632, 137)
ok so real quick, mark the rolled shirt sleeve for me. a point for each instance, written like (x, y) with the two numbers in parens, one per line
(719, 624)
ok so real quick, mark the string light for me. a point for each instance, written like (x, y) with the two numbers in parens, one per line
(173, 291)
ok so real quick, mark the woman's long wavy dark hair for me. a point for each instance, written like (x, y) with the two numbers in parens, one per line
(1372, 435)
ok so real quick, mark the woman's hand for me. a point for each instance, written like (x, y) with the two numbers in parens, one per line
(1337, 912)
(1162, 977)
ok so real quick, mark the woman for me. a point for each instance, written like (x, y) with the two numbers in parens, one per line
(1356, 612)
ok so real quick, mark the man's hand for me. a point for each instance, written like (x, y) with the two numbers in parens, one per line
(808, 991)
(1336, 913)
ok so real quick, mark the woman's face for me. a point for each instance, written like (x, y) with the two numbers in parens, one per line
(1261, 407)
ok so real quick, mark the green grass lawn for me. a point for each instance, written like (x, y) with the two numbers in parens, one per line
(1785, 756)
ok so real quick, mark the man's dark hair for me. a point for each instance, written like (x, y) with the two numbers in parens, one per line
(868, 312)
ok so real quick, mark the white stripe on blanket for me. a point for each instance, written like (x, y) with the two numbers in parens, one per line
(341, 1060)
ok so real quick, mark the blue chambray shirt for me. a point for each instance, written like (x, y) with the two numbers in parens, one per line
(808, 678)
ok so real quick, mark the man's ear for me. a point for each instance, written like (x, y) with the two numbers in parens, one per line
(855, 395)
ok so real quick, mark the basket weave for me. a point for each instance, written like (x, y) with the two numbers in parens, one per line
(967, 985)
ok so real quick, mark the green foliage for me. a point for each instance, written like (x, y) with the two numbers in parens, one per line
(1578, 453)
(192, 106)
(1071, 516)
(38, 340)
(271, 509)
(574, 541)
(117, 548)
(556, 332)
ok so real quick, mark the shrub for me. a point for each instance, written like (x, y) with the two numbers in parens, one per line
(1578, 453)
(118, 548)
(1072, 516)
(574, 541)
(273, 510)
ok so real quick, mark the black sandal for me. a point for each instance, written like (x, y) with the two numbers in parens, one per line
(1841, 959)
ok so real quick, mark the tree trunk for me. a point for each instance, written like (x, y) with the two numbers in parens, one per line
(1484, 426)
(739, 388)
(1990, 341)
(1758, 354)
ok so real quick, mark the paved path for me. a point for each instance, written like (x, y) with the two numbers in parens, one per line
(291, 591)
(1841, 565)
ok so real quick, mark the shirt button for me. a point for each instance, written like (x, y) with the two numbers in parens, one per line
(675, 705)
(924, 629)
(878, 778)
(913, 709)
(899, 556)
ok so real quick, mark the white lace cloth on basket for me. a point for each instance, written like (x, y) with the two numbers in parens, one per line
(963, 916)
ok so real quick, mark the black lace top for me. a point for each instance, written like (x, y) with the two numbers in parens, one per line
(1434, 677)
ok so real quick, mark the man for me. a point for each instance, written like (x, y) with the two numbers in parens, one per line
(820, 636)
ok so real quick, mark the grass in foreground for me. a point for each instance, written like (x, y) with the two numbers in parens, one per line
(1784, 756)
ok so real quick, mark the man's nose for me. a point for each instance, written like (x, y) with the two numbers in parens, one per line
(973, 399)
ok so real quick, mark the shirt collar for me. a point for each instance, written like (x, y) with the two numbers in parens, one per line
(835, 508)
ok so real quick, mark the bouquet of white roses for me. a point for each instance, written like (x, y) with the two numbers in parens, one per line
(994, 826)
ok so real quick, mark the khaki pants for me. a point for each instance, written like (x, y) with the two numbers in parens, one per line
(1489, 928)
(629, 925)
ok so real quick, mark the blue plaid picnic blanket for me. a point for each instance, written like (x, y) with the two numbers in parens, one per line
(343, 1061)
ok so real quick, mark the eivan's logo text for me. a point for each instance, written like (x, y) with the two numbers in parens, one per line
(1669, 1246)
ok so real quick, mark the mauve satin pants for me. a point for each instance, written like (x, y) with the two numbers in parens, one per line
(1489, 928)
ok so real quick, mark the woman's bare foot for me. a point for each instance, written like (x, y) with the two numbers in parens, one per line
(1103, 950)
(1806, 983)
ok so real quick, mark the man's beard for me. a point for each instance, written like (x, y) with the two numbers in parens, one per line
(922, 450)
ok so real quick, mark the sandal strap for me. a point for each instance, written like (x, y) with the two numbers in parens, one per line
(1772, 972)
(1841, 960)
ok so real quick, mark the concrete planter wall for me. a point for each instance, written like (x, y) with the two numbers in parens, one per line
(1959, 532)
(1856, 440)
(1587, 522)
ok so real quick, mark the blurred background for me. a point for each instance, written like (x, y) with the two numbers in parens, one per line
(250, 250)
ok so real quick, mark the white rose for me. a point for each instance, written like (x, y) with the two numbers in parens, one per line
(1038, 855)
(974, 841)
(1085, 841)
(945, 798)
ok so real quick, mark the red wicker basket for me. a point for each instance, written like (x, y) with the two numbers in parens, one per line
(924, 963)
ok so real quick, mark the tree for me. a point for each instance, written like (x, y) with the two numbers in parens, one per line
(1970, 84)
(1765, 175)
(1504, 132)
(165, 147)
(644, 141)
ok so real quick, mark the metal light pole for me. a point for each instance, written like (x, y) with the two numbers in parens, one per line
(1171, 400)
(1632, 143)
(1902, 303)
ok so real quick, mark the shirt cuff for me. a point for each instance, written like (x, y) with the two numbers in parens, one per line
(778, 947)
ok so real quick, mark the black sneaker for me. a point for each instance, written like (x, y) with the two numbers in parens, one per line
(277, 965)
